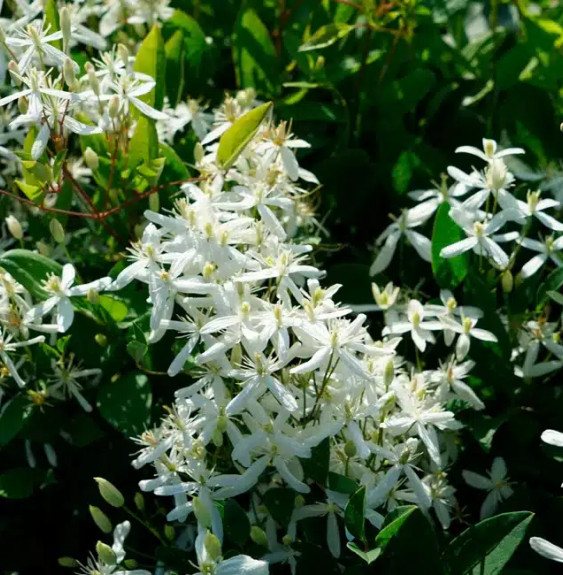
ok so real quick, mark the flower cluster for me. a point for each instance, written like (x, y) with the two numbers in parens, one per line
(277, 365)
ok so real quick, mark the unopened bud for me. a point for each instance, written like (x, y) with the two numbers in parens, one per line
(67, 562)
(507, 281)
(43, 248)
(236, 354)
(388, 373)
(258, 535)
(113, 106)
(212, 546)
(23, 105)
(299, 501)
(14, 69)
(130, 563)
(109, 492)
(57, 231)
(66, 25)
(518, 280)
(169, 532)
(123, 53)
(217, 438)
(199, 153)
(91, 158)
(106, 553)
(287, 539)
(14, 227)
(92, 78)
(201, 513)
(350, 449)
(222, 423)
(93, 296)
(68, 73)
(139, 501)
(100, 519)
(154, 202)
(101, 340)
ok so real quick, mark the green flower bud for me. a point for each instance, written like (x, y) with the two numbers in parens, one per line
(154, 202)
(213, 546)
(518, 279)
(123, 53)
(199, 153)
(113, 106)
(66, 25)
(101, 339)
(169, 532)
(105, 553)
(43, 248)
(217, 438)
(109, 492)
(350, 449)
(100, 519)
(130, 564)
(258, 535)
(68, 73)
(91, 158)
(92, 78)
(57, 231)
(13, 67)
(14, 227)
(139, 501)
(388, 374)
(23, 105)
(222, 422)
(67, 562)
(287, 539)
(507, 281)
(201, 513)
(93, 297)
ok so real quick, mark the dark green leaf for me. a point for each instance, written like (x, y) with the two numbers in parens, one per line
(354, 514)
(13, 417)
(17, 483)
(236, 523)
(280, 503)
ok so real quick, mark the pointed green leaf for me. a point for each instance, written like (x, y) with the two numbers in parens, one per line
(485, 548)
(13, 417)
(354, 514)
(238, 136)
(175, 53)
(151, 60)
(449, 273)
(326, 36)
(52, 20)
(368, 556)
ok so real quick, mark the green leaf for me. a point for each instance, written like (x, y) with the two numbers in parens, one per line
(174, 168)
(175, 53)
(17, 483)
(126, 403)
(354, 514)
(52, 20)
(115, 307)
(485, 548)
(33, 193)
(280, 502)
(553, 283)
(326, 36)
(368, 556)
(256, 62)
(316, 467)
(449, 273)
(151, 60)
(238, 136)
(555, 296)
(341, 483)
(29, 269)
(143, 147)
(393, 523)
(236, 523)
(13, 416)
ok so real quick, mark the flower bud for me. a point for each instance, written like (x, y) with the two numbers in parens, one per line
(66, 25)
(299, 501)
(388, 373)
(201, 513)
(93, 297)
(258, 535)
(67, 562)
(109, 492)
(123, 53)
(507, 281)
(106, 553)
(350, 449)
(14, 227)
(91, 158)
(130, 563)
(139, 501)
(57, 231)
(212, 546)
(518, 280)
(23, 105)
(101, 339)
(199, 153)
(43, 248)
(287, 539)
(92, 78)
(217, 438)
(154, 202)
(100, 519)
(13, 67)
(68, 73)
(113, 106)
(169, 532)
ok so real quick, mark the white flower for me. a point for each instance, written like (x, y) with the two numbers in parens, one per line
(65, 382)
(496, 483)
(489, 152)
(7, 346)
(467, 330)
(403, 226)
(547, 250)
(533, 207)
(61, 290)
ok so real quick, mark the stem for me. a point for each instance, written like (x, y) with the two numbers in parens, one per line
(145, 525)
